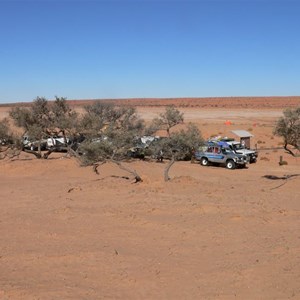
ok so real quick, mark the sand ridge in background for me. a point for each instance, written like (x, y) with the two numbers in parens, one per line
(204, 102)
(209, 233)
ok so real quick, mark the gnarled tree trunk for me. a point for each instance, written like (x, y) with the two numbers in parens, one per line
(137, 177)
(288, 150)
(168, 167)
(35, 153)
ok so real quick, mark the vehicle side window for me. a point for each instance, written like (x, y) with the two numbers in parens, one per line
(216, 150)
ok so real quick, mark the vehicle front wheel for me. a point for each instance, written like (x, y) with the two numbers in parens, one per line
(230, 164)
(204, 161)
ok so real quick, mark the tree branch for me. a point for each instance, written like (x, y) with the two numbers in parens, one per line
(96, 165)
(168, 167)
(133, 172)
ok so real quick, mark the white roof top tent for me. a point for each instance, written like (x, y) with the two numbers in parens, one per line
(244, 137)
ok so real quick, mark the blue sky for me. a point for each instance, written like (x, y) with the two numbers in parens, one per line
(143, 48)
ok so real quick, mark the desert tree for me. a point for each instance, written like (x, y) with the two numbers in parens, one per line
(9, 147)
(43, 119)
(34, 121)
(181, 145)
(5, 132)
(178, 145)
(98, 117)
(288, 127)
(168, 119)
(110, 130)
(63, 121)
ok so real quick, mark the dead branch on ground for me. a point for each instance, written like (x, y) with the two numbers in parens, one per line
(284, 177)
(96, 165)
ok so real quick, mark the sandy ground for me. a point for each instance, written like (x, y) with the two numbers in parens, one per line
(208, 233)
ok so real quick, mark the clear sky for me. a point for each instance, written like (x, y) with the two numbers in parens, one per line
(148, 48)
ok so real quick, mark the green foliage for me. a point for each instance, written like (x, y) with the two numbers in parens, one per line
(7, 137)
(110, 131)
(106, 118)
(4, 129)
(43, 119)
(152, 128)
(22, 117)
(96, 151)
(96, 117)
(180, 145)
(188, 140)
(168, 119)
(288, 127)
(62, 117)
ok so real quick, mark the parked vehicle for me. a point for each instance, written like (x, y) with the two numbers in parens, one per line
(136, 152)
(57, 142)
(146, 146)
(5, 141)
(33, 145)
(220, 153)
(237, 147)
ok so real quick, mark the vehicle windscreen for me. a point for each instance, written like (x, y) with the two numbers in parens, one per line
(238, 146)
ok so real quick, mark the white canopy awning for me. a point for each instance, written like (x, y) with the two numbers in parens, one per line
(242, 133)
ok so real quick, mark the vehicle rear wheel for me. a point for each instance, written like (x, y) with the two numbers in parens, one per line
(204, 161)
(230, 164)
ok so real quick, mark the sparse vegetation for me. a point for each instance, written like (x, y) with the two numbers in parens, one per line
(178, 145)
(170, 118)
(6, 136)
(288, 127)
(9, 144)
(110, 132)
(43, 119)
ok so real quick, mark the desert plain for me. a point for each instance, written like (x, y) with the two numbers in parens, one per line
(208, 233)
